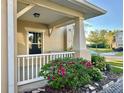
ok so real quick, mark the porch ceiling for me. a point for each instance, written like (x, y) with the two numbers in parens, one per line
(46, 16)
(51, 11)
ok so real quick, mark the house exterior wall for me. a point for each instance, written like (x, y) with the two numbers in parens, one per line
(53, 43)
(4, 59)
(119, 39)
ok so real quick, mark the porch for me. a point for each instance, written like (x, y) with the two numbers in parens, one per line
(42, 16)
(45, 38)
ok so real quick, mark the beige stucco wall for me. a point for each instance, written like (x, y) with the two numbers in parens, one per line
(53, 43)
(4, 63)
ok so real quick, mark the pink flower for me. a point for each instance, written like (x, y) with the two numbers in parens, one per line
(88, 64)
(70, 63)
(48, 77)
(61, 70)
(53, 78)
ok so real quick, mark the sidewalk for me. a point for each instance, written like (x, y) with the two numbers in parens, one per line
(115, 88)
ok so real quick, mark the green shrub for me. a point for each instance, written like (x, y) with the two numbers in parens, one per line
(101, 66)
(116, 70)
(108, 67)
(97, 58)
(95, 74)
(69, 72)
(99, 62)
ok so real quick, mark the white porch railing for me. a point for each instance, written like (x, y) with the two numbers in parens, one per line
(28, 66)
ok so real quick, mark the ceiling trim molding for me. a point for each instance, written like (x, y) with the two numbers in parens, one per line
(55, 7)
(23, 11)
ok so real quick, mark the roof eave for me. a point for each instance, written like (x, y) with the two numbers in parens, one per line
(102, 11)
(99, 11)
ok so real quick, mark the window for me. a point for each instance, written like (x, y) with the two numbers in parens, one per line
(35, 42)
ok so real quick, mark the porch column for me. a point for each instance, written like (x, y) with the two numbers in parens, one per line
(79, 42)
(11, 30)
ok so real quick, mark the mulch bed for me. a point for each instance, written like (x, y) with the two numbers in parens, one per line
(108, 77)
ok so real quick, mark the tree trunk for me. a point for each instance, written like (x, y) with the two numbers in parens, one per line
(110, 46)
(96, 46)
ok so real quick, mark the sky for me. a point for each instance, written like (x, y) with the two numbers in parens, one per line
(112, 20)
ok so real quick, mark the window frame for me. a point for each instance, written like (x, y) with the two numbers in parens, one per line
(37, 30)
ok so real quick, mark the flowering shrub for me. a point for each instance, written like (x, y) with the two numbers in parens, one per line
(95, 74)
(68, 73)
(99, 62)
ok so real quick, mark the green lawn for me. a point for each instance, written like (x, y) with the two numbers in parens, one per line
(116, 63)
(119, 54)
(101, 50)
(116, 70)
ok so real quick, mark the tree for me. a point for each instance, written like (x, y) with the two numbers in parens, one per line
(94, 37)
(110, 38)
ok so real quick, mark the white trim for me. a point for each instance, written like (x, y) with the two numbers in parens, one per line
(30, 29)
(88, 4)
(26, 9)
(11, 46)
(46, 54)
(33, 29)
(30, 81)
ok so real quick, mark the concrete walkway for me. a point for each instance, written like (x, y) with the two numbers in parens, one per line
(109, 58)
(118, 67)
(117, 87)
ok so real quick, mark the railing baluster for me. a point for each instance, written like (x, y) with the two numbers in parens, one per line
(23, 68)
(40, 62)
(43, 60)
(63, 55)
(50, 57)
(28, 69)
(36, 67)
(47, 59)
(18, 69)
(67, 55)
(59, 55)
(71, 55)
(32, 67)
(54, 57)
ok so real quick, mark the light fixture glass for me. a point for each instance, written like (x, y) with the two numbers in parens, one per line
(36, 15)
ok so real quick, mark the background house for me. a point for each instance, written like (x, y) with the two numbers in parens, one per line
(119, 39)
